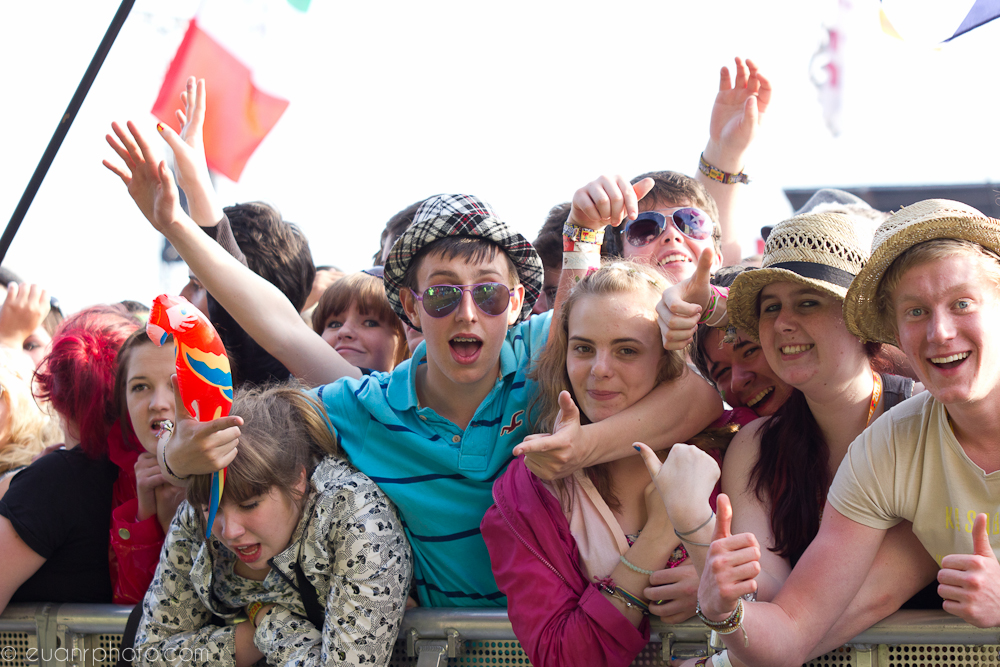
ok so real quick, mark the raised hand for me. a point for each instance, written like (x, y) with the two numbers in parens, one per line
(561, 453)
(732, 564)
(607, 201)
(23, 311)
(736, 115)
(188, 150)
(970, 583)
(196, 447)
(681, 305)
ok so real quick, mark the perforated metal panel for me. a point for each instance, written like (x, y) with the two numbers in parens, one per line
(103, 646)
(841, 657)
(14, 647)
(929, 655)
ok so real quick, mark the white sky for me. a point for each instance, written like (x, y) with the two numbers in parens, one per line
(517, 102)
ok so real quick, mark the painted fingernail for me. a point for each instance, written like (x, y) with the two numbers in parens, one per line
(636, 448)
(159, 127)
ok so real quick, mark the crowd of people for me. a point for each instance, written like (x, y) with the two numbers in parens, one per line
(620, 420)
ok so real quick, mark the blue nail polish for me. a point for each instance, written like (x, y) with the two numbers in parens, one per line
(636, 448)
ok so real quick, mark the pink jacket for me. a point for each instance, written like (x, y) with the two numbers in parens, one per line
(559, 617)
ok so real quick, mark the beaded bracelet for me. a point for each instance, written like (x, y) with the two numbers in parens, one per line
(717, 174)
(728, 625)
(583, 234)
(634, 568)
(608, 586)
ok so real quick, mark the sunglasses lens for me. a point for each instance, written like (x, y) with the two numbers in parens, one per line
(492, 298)
(441, 299)
(692, 222)
(643, 230)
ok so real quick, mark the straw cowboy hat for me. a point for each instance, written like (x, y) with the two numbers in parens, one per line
(820, 250)
(923, 221)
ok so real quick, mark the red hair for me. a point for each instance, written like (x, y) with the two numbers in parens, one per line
(78, 375)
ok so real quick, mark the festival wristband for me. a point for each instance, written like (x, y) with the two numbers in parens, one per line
(583, 234)
(252, 611)
(581, 256)
(717, 174)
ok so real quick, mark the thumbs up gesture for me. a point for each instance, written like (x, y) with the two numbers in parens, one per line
(682, 304)
(732, 564)
(560, 453)
(970, 583)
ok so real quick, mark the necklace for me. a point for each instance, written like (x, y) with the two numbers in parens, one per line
(876, 394)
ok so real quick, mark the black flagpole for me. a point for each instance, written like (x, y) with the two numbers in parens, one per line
(64, 124)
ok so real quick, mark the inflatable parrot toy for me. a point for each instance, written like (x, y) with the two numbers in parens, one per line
(204, 380)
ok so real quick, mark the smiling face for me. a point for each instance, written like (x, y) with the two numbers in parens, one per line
(742, 374)
(463, 347)
(803, 336)
(947, 313)
(259, 528)
(363, 340)
(148, 394)
(614, 352)
(675, 254)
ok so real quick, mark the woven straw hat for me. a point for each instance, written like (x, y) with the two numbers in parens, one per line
(821, 250)
(923, 221)
(461, 215)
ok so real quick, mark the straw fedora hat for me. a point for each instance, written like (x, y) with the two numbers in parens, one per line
(923, 221)
(820, 250)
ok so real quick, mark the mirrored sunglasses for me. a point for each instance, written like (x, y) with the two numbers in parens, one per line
(440, 300)
(647, 227)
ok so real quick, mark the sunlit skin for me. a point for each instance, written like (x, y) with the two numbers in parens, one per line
(259, 528)
(945, 310)
(463, 347)
(613, 354)
(148, 394)
(804, 338)
(363, 340)
(742, 374)
(674, 254)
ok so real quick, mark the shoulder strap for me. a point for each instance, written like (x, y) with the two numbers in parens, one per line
(315, 612)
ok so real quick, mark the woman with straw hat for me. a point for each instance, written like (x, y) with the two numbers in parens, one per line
(932, 286)
(778, 469)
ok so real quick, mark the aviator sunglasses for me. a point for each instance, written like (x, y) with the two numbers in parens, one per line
(441, 300)
(647, 227)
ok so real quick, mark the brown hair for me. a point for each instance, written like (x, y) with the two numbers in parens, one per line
(616, 277)
(928, 251)
(669, 187)
(473, 249)
(368, 292)
(284, 431)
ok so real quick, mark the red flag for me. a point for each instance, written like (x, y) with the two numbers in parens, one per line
(239, 115)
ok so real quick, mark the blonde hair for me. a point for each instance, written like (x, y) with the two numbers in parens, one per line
(30, 426)
(923, 253)
(284, 431)
(368, 292)
(617, 277)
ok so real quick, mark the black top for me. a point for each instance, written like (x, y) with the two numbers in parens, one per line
(895, 390)
(60, 506)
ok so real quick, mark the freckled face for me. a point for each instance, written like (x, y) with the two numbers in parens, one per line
(613, 354)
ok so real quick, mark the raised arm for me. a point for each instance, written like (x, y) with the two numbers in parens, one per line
(257, 305)
(736, 117)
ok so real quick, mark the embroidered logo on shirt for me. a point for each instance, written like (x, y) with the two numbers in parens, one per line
(515, 421)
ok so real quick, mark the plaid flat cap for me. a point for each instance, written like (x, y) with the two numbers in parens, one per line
(461, 215)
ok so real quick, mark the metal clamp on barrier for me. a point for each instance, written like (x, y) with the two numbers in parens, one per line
(431, 652)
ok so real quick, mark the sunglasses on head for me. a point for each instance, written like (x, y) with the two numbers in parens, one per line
(441, 300)
(647, 227)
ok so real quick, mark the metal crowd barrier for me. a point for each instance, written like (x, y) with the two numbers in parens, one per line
(78, 635)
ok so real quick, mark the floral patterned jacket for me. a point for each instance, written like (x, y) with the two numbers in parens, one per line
(351, 547)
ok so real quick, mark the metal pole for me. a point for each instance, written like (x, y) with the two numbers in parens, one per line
(63, 128)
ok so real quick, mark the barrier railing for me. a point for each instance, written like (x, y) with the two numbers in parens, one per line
(78, 635)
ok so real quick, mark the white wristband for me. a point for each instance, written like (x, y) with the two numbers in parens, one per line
(721, 659)
(582, 260)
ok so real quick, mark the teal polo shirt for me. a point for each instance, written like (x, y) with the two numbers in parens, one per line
(440, 476)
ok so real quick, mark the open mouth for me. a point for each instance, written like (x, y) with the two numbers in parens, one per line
(676, 257)
(760, 397)
(796, 349)
(161, 426)
(248, 554)
(950, 361)
(465, 348)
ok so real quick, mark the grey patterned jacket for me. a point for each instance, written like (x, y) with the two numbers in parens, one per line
(353, 551)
